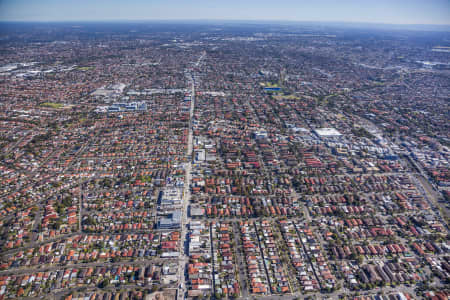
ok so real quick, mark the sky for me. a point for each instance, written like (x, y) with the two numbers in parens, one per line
(435, 12)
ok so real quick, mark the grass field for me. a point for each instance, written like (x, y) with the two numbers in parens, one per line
(291, 97)
(52, 105)
(85, 68)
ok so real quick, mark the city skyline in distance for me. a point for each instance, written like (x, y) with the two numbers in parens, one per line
(433, 12)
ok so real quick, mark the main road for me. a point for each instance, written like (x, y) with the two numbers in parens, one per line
(185, 220)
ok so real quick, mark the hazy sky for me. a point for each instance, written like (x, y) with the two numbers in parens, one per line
(374, 11)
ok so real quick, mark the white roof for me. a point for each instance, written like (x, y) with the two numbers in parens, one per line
(327, 132)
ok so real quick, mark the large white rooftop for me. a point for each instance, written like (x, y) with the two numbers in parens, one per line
(327, 132)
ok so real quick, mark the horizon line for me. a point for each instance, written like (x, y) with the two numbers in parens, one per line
(223, 20)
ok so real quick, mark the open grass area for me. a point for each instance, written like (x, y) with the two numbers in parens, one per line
(291, 97)
(52, 105)
(85, 68)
